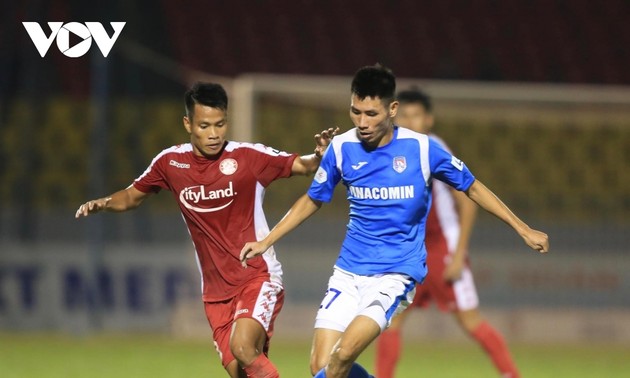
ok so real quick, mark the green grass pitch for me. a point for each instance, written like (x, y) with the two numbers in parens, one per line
(37, 355)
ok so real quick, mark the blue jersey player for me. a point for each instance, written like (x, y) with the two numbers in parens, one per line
(388, 173)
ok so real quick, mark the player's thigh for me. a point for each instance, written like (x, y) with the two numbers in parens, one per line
(248, 336)
(359, 334)
(469, 319)
(323, 342)
(384, 296)
(221, 317)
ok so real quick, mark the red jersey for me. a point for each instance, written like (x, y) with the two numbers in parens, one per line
(221, 202)
(442, 227)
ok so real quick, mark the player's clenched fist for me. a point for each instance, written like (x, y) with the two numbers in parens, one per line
(92, 207)
(537, 240)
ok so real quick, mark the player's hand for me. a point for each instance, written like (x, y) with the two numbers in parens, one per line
(537, 240)
(251, 250)
(322, 140)
(93, 206)
(453, 270)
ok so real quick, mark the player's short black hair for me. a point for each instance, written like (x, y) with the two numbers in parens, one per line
(374, 81)
(208, 94)
(416, 96)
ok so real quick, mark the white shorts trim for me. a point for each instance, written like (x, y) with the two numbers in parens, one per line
(266, 303)
(465, 291)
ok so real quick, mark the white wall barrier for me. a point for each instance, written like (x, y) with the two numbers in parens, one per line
(56, 286)
(157, 287)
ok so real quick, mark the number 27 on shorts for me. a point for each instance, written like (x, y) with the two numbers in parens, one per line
(329, 297)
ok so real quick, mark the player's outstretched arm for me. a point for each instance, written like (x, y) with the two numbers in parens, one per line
(122, 200)
(490, 202)
(303, 208)
(307, 165)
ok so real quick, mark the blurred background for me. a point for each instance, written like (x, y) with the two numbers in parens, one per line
(533, 95)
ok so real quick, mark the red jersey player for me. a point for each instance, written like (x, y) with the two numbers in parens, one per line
(449, 281)
(219, 186)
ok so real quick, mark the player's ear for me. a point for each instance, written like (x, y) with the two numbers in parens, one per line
(187, 125)
(393, 109)
(429, 120)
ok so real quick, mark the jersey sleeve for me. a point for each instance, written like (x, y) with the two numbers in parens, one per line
(268, 164)
(326, 178)
(449, 169)
(153, 179)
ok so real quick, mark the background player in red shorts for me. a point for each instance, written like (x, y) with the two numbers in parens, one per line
(449, 281)
(219, 186)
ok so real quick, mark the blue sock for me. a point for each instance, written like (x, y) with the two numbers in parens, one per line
(356, 371)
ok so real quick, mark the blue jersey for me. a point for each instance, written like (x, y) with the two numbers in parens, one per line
(389, 190)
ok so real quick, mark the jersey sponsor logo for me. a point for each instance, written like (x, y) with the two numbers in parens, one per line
(320, 176)
(358, 165)
(194, 197)
(228, 166)
(383, 193)
(457, 163)
(242, 311)
(177, 164)
(400, 164)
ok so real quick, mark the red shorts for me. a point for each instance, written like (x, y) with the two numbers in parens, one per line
(259, 299)
(460, 295)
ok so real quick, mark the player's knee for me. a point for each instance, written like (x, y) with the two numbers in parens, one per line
(343, 355)
(245, 354)
(469, 320)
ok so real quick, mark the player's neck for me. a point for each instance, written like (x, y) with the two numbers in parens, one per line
(385, 139)
(200, 155)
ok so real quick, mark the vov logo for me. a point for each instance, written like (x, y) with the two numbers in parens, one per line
(87, 32)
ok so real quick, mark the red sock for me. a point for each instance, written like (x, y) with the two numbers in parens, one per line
(387, 353)
(261, 368)
(492, 341)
